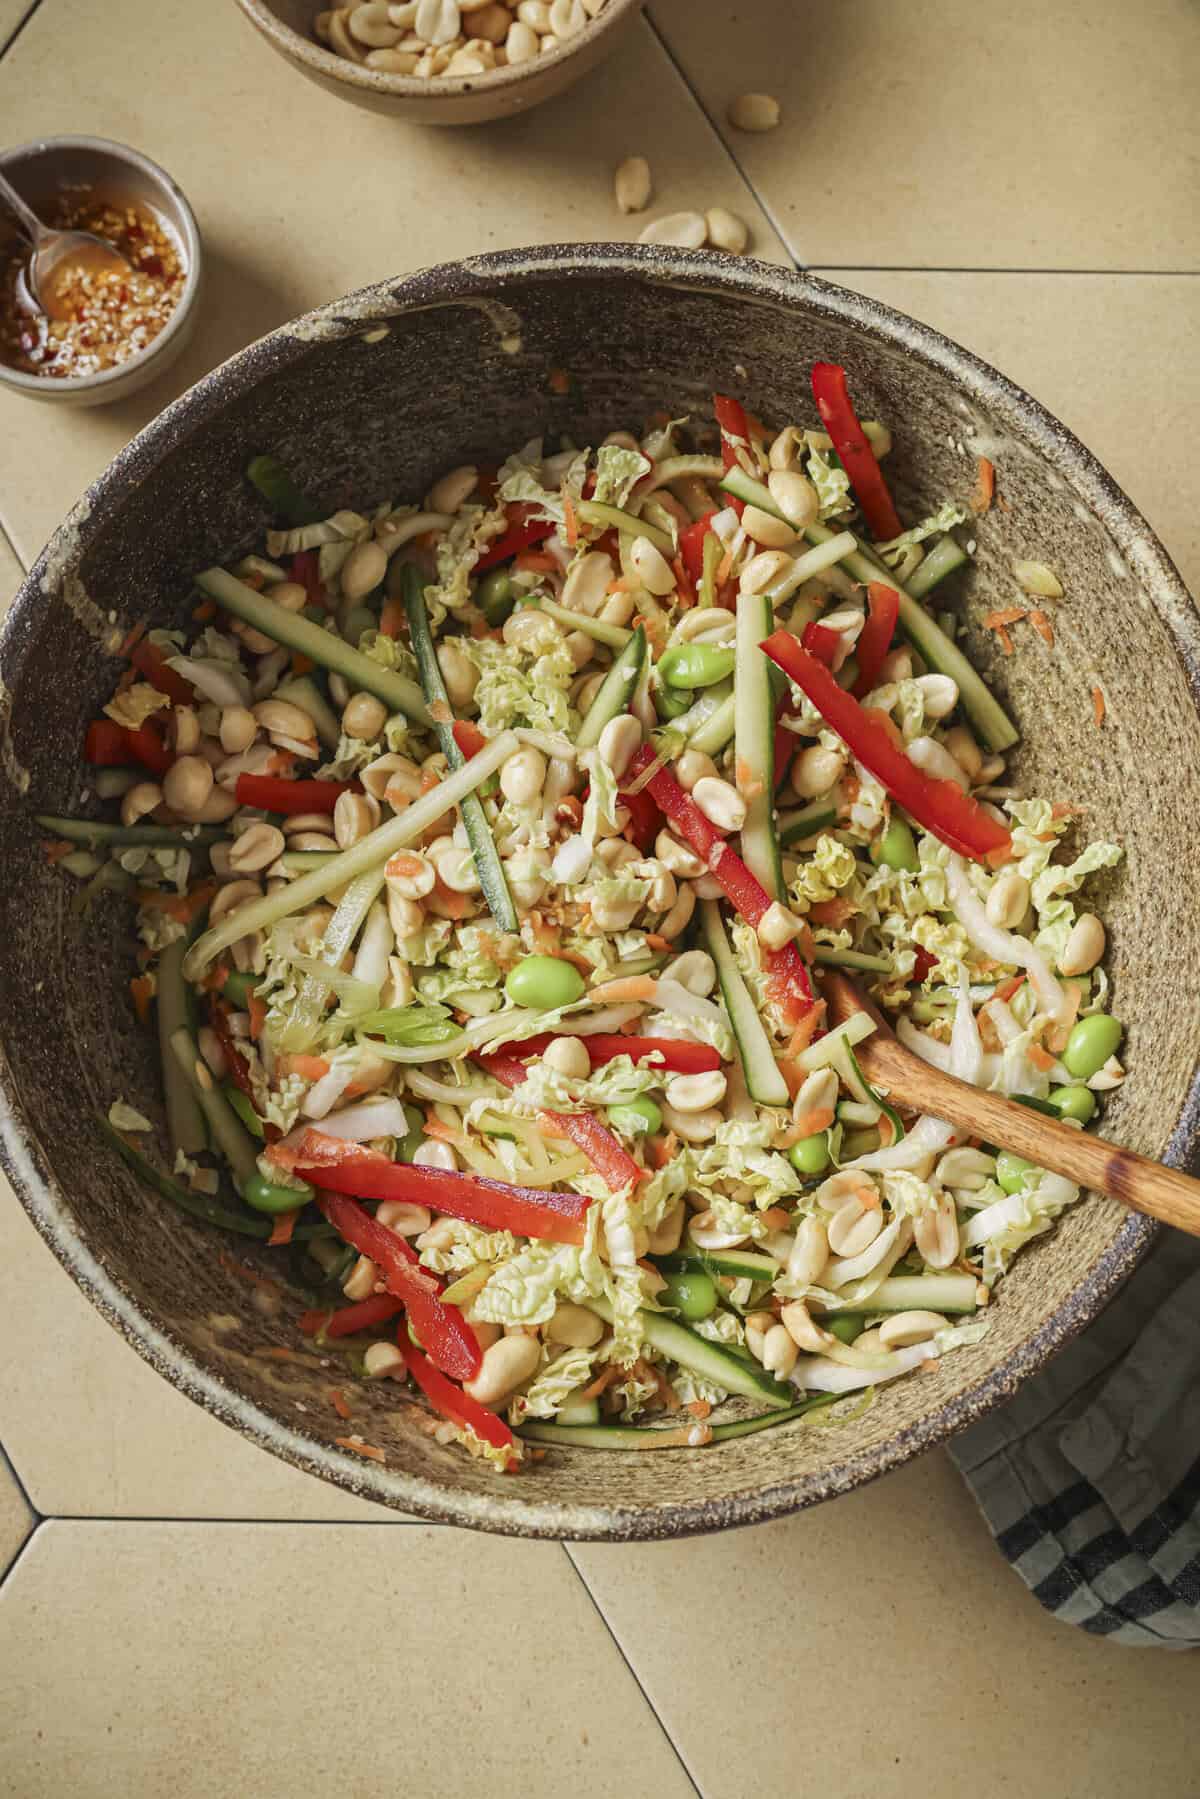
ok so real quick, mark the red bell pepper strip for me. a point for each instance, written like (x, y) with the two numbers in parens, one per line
(731, 417)
(469, 738)
(270, 793)
(348, 1320)
(151, 664)
(453, 1403)
(821, 642)
(443, 1330)
(616, 1168)
(674, 1053)
(940, 806)
(523, 532)
(110, 745)
(645, 820)
(747, 895)
(923, 964)
(691, 546)
(875, 638)
(857, 457)
(305, 567)
(329, 1163)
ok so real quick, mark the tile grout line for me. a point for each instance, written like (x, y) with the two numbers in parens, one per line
(20, 1555)
(7, 1465)
(667, 51)
(18, 28)
(633, 1673)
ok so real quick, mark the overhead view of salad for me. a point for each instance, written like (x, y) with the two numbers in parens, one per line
(486, 854)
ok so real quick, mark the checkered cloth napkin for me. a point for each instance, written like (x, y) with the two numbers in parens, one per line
(1090, 1477)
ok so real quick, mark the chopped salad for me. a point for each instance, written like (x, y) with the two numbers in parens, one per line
(486, 853)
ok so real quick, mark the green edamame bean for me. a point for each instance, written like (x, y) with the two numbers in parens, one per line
(673, 702)
(846, 1326)
(636, 1116)
(356, 621)
(811, 1154)
(495, 596)
(238, 988)
(695, 665)
(243, 1108)
(1092, 1041)
(265, 1196)
(694, 1295)
(1011, 1170)
(1074, 1102)
(544, 983)
(897, 848)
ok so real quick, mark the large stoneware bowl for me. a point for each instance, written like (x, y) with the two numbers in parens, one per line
(369, 399)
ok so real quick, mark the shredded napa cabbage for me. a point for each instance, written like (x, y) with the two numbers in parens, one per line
(518, 686)
(832, 485)
(552, 1385)
(1005, 1226)
(134, 705)
(944, 519)
(617, 473)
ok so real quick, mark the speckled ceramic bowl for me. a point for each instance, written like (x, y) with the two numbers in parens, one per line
(371, 398)
(447, 100)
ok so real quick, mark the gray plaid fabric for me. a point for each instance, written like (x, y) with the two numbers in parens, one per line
(1090, 1477)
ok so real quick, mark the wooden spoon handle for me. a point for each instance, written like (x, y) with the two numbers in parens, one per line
(1136, 1181)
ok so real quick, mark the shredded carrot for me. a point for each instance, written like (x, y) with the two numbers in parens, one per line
(802, 1035)
(1042, 625)
(655, 942)
(181, 906)
(775, 1218)
(429, 780)
(301, 664)
(660, 1153)
(569, 811)
(535, 562)
(56, 849)
(656, 635)
(449, 903)
(833, 912)
(724, 568)
(131, 638)
(683, 585)
(1099, 705)
(337, 1400)
(403, 863)
(275, 1354)
(1007, 615)
(560, 381)
(142, 989)
(1063, 809)
(309, 1068)
(285, 1224)
(434, 1127)
(257, 1009)
(640, 987)
(604, 1379)
(391, 619)
(868, 1197)
(254, 580)
(1041, 1058)
(699, 1408)
(1006, 989)
(570, 518)
(545, 935)
(1056, 1036)
(204, 611)
(232, 1266)
(1007, 645)
(985, 485)
(366, 1450)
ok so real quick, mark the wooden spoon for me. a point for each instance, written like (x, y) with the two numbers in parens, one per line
(1087, 1160)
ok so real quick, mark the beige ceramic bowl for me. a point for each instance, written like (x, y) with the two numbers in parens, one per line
(39, 171)
(465, 100)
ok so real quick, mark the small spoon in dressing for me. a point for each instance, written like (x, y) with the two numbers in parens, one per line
(1089, 1161)
(57, 255)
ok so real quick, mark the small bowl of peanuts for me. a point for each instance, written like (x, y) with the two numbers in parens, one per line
(114, 330)
(444, 62)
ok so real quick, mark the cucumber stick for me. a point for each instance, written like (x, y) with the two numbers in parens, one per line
(639, 1436)
(185, 1120)
(616, 691)
(323, 647)
(754, 742)
(742, 1264)
(615, 636)
(942, 560)
(228, 1132)
(931, 642)
(712, 1361)
(821, 815)
(764, 1082)
(927, 638)
(479, 833)
(96, 834)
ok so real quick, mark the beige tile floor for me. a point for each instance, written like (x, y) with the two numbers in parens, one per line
(144, 1657)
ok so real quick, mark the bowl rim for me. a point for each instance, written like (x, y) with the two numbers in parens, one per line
(325, 62)
(45, 387)
(492, 284)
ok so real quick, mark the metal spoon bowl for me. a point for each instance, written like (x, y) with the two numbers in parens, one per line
(54, 255)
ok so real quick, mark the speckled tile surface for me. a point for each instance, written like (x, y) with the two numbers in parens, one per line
(16, 1517)
(920, 137)
(206, 1660)
(933, 135)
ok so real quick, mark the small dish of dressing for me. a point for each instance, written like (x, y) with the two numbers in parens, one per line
(107, 324)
